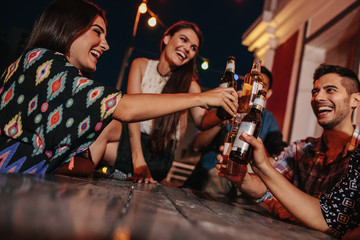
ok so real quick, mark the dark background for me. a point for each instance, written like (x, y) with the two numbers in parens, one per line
(221, 21)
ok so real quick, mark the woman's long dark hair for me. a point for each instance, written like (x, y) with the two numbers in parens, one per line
(179, 82)
(61, 23)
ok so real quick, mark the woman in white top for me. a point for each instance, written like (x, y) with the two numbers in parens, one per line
(54, 117)
(152, 143)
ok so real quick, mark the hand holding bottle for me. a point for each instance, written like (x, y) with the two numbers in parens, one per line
(246, 182)
(224, 172)
(226, 98)
(251, 124)
(260, 161)
(227, 80)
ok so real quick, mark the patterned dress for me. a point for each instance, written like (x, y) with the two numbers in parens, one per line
(49, 113)
(341, 207)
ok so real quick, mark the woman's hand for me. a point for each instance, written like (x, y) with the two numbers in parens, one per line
(141, 171)
(142, 174)
(226, 98)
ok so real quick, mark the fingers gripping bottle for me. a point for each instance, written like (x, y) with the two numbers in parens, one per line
(253, 82)
(241, 152)
(227, 80)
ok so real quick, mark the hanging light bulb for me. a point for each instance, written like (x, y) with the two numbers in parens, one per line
(142, 8)
(236, 77)
(152, 22)
(205, 64)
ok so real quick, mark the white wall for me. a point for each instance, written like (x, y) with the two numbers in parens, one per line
(305, 123)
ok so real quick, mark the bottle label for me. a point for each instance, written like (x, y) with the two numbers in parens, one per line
(256, 87)
(227, 148)
(230, 67)
(259, 101)
(249, 128)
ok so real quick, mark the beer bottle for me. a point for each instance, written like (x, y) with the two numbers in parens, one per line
(230, 167)
(230, 136)
(253, 82)
(227, 80)
(241, 152)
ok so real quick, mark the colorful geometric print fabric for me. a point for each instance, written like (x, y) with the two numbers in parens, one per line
(49, 112)
(341, 207)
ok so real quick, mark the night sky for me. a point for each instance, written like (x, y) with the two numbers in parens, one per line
(221, 21)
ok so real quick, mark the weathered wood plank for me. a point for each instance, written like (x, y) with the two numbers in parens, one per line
(61, 207)
(68, 209)
(222, 219)
(151, 215)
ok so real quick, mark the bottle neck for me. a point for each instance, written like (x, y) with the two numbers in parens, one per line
(230, 67)
(256, 67)
(236, 123)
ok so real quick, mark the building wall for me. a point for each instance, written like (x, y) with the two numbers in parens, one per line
(327, 31)
(282, 70)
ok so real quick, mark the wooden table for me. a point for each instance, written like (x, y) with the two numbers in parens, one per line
(60, 207)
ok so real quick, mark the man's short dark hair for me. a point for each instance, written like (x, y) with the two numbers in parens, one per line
(267, 72)
(352, 84)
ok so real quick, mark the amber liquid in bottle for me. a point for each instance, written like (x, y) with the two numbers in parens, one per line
(241, 151)
(253, 82)
(227, 80)
(231, 167)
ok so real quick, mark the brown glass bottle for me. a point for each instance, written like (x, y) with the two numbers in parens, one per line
(227, 80)
(241, 152)
(253, 82)
(231, 167)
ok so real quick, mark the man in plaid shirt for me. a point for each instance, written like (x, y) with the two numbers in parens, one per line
(315, 165)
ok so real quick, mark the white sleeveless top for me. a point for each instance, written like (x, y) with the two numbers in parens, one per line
(153, 82)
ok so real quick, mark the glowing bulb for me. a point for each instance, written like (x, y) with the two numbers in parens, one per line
(205, 65)
(236, 77)
(104, 170)
(143, 8)
(152, 22)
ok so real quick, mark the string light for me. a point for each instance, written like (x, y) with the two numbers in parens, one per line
(152, 22)
(236, 77)
(142, 8)
(205, 64)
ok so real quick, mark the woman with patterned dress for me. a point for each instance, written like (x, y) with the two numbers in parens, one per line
(54, 118)
(147, 149)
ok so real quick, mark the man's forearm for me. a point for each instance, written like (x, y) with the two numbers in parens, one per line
(303, 206)
(252, 186)
(203, 138)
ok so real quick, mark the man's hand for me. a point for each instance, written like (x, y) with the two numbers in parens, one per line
(223, 169)
(246, 182)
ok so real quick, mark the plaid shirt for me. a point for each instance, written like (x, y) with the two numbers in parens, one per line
(304, 164)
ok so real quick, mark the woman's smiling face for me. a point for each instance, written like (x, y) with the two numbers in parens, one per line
(181, 47)
(89, 46)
